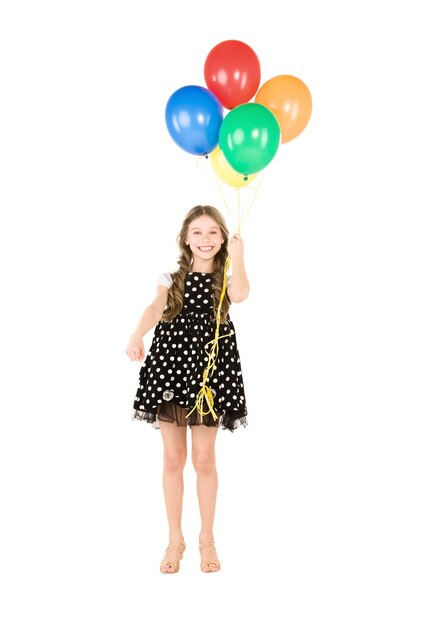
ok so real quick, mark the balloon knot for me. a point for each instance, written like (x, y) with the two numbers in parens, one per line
(245, 178)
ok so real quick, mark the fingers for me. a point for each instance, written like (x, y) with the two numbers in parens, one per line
(135, 354)
(236, 243)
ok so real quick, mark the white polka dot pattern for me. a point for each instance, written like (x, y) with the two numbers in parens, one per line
(173, 367)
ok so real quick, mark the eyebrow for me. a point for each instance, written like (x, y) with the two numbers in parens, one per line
(210, 228)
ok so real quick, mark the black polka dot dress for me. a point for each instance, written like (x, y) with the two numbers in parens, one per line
(172, 372)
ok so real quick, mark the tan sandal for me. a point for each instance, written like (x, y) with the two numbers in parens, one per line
(206, 562)
(175, 564)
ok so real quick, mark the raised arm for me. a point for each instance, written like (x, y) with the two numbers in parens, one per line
(239, 287)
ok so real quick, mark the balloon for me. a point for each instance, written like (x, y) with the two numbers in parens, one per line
(232, 72)
(193, 117)
(249, 137)
(225, 172)
(290, 100)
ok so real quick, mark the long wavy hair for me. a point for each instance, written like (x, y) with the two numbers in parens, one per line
(176, 292)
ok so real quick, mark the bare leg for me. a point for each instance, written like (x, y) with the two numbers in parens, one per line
(175, 453)
(204, 460)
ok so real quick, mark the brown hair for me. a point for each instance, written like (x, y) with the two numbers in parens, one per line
(176, 292)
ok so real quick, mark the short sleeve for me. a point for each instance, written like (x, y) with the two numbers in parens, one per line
(165, 279)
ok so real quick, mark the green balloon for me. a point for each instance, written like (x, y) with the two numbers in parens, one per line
(249, 137)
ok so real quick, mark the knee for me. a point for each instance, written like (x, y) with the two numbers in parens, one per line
(174, 461)
(204, 463)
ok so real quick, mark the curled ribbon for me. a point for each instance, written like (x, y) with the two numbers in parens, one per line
(205, 393)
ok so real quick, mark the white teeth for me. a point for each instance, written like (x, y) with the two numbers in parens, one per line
(206, 248)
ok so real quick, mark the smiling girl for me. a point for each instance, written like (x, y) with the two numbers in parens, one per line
(184, 313)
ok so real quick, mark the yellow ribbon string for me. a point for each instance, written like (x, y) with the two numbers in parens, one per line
(238, 209)
(205, 393)
(217, 180)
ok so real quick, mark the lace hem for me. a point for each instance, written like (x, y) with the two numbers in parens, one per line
(169, 412)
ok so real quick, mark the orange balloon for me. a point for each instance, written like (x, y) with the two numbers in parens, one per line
(290, 101)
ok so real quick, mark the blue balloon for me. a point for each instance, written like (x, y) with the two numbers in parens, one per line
(193, 117)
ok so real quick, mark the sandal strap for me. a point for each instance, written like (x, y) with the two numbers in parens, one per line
(176, 545)
(174, 563)
(207, 562)
(205, 544)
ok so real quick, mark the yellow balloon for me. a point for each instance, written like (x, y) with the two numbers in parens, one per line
(225, 172)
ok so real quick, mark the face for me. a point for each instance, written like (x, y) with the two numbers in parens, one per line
(204, 237)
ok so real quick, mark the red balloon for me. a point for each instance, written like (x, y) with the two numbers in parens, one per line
(232, 72)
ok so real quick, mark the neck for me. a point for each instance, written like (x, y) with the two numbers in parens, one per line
(200, 266)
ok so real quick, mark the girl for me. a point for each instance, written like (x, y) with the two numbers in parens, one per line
(184, 315)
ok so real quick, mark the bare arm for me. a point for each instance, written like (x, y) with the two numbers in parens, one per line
(150, 317)
(153, 312)
(239, 288)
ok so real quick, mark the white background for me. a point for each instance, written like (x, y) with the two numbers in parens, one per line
(320, 513)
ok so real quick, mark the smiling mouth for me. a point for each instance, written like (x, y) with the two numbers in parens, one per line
(205, 248)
